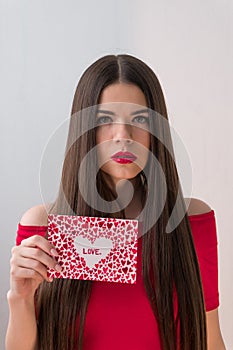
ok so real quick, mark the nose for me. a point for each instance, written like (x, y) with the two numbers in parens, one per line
(122, 133)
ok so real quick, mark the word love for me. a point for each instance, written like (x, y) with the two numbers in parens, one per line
(93, 251)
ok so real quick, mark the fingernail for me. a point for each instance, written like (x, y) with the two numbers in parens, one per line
(54, 252)
(58, 268)
(50, 279)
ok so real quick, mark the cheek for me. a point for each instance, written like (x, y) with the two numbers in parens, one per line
(143, 138)
(98, 137)
(145, 142)
(103, 149)
(102, 134)
(147, 139)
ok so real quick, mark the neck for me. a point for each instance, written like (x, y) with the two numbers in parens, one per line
(120, 189)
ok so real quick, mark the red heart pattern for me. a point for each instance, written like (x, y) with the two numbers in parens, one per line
(85, 252)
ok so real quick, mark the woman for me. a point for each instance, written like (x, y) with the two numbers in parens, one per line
(172, 305)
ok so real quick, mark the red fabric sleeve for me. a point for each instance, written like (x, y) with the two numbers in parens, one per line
(205, 239)
(24, 232)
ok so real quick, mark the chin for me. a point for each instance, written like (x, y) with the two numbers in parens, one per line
(122, 175)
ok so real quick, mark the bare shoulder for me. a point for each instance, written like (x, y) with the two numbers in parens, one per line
(196, 206)
(36, 216)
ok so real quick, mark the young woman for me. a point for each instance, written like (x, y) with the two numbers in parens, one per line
(174, 304)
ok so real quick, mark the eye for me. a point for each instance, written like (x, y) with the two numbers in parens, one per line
(103, 120)
(141, 119)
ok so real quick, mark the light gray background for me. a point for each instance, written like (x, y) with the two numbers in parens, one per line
(45, 47)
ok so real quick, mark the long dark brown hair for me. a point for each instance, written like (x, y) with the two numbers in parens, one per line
(169, 261)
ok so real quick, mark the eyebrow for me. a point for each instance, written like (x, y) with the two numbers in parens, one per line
(112, 113)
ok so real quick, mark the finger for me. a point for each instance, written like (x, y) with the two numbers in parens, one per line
(34, 258)
(27, 273)
(40, 242)
(31, 264)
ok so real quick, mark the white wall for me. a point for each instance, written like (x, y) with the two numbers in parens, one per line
(45, 47)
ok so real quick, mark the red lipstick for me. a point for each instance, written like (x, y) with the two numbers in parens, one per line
(124, 157)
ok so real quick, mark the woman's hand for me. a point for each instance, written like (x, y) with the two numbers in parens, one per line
(29, 264)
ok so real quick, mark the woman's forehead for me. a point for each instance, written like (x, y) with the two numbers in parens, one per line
(121, 108)
(123, 92)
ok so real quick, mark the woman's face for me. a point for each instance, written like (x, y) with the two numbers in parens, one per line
(122, 134)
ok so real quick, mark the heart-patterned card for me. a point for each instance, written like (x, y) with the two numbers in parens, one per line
(94, 248)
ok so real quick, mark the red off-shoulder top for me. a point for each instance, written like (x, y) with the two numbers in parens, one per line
(119, 316)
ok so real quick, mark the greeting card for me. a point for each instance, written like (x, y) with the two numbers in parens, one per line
(94, 248)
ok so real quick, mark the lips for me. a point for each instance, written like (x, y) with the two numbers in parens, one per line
(124, 157)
